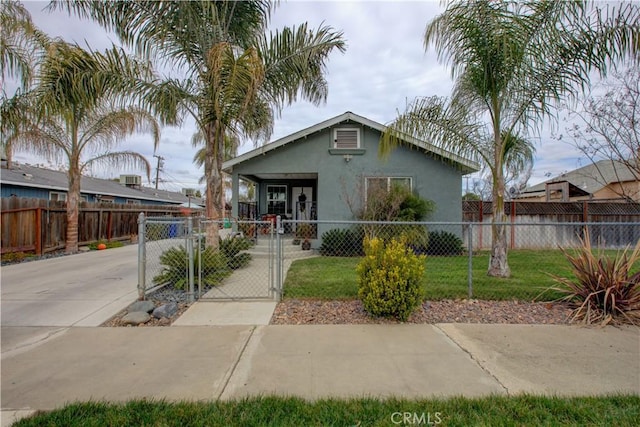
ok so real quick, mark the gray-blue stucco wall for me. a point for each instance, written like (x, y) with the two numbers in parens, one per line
(341, 183)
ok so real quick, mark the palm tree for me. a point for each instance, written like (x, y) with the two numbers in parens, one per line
(73, 115)
(21, 45)
(235, 76)
(231, 145)
(513, 62)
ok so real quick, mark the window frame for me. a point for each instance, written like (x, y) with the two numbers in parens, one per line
(269, 200)
(389, 182)
(58, 194)
(335, 145)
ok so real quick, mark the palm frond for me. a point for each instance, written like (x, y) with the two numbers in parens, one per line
(176, 31)
(47, 138)
(21, 42)
(105, 129)
(71, 76)
(295, 59)
(437, 122)
(120, 159)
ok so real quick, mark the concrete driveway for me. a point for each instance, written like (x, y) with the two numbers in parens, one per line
(43, 297)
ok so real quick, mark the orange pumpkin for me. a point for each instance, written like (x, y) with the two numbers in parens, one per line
(102, 246)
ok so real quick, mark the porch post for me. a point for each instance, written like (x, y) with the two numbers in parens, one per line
(235, 194)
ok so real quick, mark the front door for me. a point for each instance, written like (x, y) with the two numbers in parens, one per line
(303, 199)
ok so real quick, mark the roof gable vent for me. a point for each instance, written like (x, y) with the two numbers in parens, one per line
(346, 138)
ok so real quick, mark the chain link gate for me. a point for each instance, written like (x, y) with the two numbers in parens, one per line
(174, 252)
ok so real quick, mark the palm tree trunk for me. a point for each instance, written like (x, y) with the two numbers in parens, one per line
(213, 174)
(8, 155)
(498, 264)
(73, 201)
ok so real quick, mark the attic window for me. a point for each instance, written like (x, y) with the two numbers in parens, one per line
(346, 138)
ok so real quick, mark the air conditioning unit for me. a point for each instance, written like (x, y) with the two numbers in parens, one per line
(189, 192)
(131, 180)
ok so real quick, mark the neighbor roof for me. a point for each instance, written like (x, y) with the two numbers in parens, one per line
(36, 177)
(468, 165)
(591, 178)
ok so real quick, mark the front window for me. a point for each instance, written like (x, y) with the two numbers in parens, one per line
(277, 199)
(376, 185)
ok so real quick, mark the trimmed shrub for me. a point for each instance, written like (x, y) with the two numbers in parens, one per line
(444, 243)
(175, 262)
(414, 208)
(389, 278)
(605, 289)
(341, 242)
(231, 248)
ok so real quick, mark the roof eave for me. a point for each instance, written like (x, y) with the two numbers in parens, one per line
(467, 166)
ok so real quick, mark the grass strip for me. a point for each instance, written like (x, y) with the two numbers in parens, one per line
(522, 410)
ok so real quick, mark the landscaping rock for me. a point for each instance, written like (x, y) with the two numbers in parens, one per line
(146, 306)
(136, 318)
(165, 310)
(165, 321)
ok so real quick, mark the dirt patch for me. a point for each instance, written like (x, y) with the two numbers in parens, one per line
(342, 312)
(320, 312)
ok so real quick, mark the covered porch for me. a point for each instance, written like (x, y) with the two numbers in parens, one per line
(293, 196)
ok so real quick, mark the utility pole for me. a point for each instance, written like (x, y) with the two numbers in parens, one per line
(159, 165)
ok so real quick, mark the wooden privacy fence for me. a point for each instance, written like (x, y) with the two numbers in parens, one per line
(37, 225)
(550, 224)
(527, 212)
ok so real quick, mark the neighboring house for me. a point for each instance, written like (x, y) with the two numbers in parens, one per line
(322, 171)
(603, 180)
(29, 181)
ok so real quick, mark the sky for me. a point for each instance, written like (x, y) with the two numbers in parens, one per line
(384, 67)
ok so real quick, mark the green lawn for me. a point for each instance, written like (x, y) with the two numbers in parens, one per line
(444, 278)
(619, 410)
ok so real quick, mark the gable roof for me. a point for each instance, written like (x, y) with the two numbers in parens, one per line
(35, 177)
(466, 164)
(590, 179)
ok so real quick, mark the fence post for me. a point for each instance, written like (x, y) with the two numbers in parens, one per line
(142, 256)
(470, 259)
(278, 284)
(513, 228)
(191, 256)
(38, 230)
(199, 247)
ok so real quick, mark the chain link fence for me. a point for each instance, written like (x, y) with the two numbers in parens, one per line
(176, 253)
(252, 258)
(457, 254)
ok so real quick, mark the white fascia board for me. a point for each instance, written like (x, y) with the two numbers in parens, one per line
(35, 185)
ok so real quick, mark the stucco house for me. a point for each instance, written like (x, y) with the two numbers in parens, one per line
(604, 180)
(320, 172)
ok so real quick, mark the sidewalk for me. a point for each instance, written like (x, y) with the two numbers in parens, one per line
(227, 362)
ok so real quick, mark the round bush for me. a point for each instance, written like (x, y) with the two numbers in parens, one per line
(389, 278)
